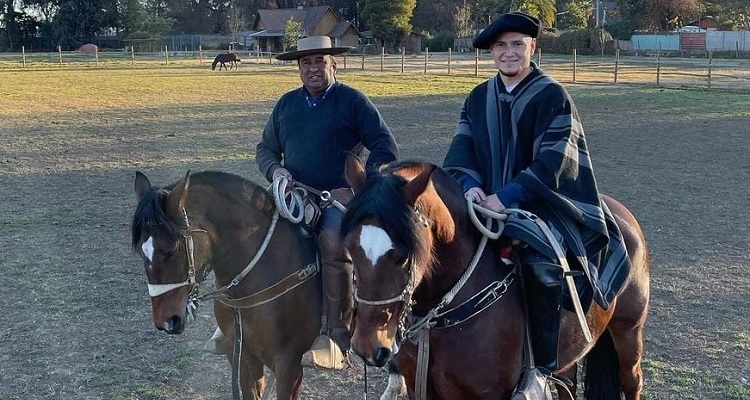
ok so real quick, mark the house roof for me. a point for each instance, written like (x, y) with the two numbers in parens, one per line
(274, 20)
(340, 29)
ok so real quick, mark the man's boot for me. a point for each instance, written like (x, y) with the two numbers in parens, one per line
(329, 350)
(543, 282)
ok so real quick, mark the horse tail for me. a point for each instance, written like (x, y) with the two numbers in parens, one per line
(602, 369)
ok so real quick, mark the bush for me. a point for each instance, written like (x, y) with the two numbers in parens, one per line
(584, 41)
(442, 41)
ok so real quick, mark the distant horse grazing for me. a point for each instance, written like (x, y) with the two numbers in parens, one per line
(224, 58)
(269, 297)
(411, 239)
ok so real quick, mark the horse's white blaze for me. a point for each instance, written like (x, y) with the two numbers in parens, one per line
(374, 242)
(148, 249)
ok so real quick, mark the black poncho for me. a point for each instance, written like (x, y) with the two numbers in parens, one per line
(533, 137)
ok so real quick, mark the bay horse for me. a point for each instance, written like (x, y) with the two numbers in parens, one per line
(409, 233)
(222, 222)
(224, 58)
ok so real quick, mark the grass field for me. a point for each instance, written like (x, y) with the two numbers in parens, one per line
(76, 322)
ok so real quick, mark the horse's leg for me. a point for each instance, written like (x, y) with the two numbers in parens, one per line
(628, 340)
(288, 377)
(396, 384)
(252, 382)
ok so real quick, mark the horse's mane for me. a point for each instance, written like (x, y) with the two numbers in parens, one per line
(150, 216)
(380, 198)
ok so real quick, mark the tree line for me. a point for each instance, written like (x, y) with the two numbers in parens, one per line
(47, 24)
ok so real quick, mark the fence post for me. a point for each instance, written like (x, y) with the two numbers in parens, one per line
(450, 53)
(382, 57)
(539, 58)
(575, 64)
(59, 53)
(200, 54)
(658, 67)
(344, 60)
(617, 62)
(426, 56)
(476, 62)
(363, 60)
(96, 55)
(166, 55)
(710, 59)
(403, 58)
(132, 54)
(23, 56)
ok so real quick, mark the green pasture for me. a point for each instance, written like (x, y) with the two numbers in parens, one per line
(71, 126)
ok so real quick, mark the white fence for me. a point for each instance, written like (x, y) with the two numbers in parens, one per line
(728, 40)
(715, 41)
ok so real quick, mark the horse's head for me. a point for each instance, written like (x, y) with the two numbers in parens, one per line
(162, 236)
(392, 228)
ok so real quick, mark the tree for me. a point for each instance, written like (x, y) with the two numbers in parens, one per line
(78, 21)
(545, 10)
(659, 15)
(292, 33)
(729, 14)
(576, 15)
(390, 19)
(434, 15)
(463, 21)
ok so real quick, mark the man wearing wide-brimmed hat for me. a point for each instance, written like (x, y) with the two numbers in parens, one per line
(307, 137)
(520, 143)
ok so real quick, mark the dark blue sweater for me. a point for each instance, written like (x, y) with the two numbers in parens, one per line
(312, 142)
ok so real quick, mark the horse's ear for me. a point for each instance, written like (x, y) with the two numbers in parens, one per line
(141, 185)
(412, 189)
(355, 172)
(178, 195)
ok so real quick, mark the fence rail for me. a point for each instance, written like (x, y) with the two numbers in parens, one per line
(655, 69)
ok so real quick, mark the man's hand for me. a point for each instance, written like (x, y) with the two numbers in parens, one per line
(476, 194)
(281, 171)
(492, 203)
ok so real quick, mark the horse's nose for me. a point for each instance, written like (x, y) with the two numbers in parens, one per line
(174, 325)
(381, 356)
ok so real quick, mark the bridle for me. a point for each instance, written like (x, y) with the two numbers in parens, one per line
(405, 298)
(158, 289)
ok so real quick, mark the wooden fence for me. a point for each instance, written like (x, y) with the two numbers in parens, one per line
(654, 69)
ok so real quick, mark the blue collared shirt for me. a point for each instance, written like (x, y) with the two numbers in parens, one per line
(314, 101)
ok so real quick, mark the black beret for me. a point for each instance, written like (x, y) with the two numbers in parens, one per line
(510, 22)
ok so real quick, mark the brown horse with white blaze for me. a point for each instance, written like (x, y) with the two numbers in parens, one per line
(411, 239)
(268, 299)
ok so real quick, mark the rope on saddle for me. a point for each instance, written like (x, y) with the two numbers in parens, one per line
(289, 204)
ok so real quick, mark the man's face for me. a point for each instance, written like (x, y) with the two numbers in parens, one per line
(512, 53)
(317, 72)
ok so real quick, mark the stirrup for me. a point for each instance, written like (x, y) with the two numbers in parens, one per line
(324, 353)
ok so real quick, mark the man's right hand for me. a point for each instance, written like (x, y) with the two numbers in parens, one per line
(281, 171)
(476, 194)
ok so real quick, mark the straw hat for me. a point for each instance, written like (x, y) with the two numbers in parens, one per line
(313, 45)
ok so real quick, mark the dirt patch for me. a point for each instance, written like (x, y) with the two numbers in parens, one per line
(76, 322)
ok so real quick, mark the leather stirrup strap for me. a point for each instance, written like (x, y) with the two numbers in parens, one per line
(423, 362)
(236, 356)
